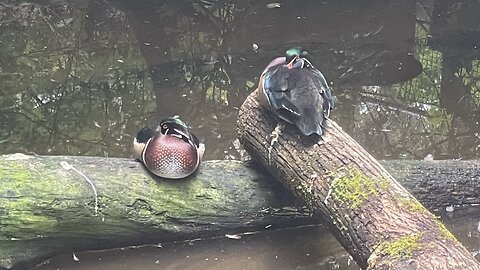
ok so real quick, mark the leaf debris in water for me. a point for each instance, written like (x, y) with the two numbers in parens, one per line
(274, 5)
(233, 236)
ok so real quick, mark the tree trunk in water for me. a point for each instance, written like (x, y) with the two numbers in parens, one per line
(376, 219)
(47, 208)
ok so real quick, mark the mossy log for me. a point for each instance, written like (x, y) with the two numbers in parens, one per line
(375, 218)
(47, 207)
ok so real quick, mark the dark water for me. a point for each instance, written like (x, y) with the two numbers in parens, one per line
(273, 250)
(296, 248)
(81, 77)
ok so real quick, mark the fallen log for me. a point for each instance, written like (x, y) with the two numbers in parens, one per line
(439, 184)
(374, 218)
(47, 207)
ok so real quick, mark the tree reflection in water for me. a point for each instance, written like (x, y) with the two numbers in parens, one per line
(81, 77)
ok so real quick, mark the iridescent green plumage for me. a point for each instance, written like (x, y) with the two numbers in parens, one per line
(293, 53)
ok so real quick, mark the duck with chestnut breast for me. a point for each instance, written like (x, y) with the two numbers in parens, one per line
(297, 92)
(170, 151)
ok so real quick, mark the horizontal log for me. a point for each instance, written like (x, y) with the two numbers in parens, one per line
(47, 206)
(439, 183)
(46, 209)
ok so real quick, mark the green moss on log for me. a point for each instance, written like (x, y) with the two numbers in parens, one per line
(166, 199)
(402, 248)
(412, 204)
(445, 232)
(352, 187)
(24, 210)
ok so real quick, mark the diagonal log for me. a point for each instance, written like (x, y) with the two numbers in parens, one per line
(376, 219)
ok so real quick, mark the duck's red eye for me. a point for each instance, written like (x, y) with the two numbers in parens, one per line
(165, 127)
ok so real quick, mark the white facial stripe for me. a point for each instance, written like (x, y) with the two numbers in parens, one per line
(176, 135)
(178, 131)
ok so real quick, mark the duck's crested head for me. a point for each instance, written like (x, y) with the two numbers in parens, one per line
(296, 58)
(176, 127)
(173, 125)
(295, 52)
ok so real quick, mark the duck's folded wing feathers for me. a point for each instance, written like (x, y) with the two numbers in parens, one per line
(276, 87)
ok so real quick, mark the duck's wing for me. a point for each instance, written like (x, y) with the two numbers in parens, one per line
(309, 92)
(276, 86)
(325, 91)
(144, 136)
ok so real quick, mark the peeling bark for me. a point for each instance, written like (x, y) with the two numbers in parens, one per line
(375, 218)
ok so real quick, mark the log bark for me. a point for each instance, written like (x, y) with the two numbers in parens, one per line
(375, 218)
(440, 183)
(46, 209)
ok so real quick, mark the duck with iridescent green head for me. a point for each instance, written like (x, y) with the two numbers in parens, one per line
(293, 89)
(170, 151)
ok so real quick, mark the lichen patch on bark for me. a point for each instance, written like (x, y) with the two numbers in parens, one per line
(352, 187)
(445, 232)
(411, 204)
(401, 248)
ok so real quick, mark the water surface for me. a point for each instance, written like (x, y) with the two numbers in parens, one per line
(82, 77)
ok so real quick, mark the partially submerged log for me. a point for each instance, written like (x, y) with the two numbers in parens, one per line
(439, 183)
(47, 207)
(376, 219)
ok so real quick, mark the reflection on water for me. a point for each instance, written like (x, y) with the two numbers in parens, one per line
(295, 248)
(282, 249)
(81, 77)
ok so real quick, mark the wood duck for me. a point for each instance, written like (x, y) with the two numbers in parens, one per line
(171, 151)
(297, 92)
